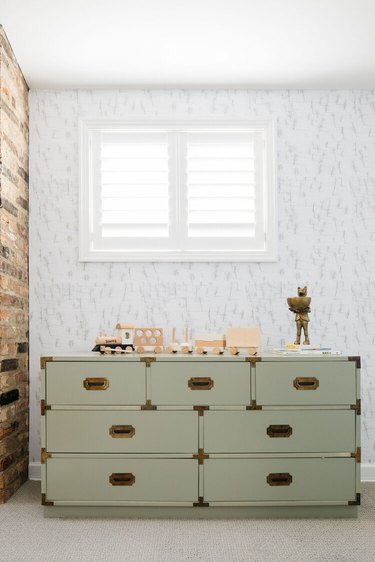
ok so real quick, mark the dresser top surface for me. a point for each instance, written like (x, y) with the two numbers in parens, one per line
(135, 357)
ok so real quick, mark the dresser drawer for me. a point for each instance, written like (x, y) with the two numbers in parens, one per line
(121, 480)
(286, 431)
(275, 480)
(206, 383)
(103, 431)
(305, 383)
(95, 383)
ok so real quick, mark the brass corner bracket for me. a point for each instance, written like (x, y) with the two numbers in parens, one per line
(356, 455)
(253, 359)
(201, 456)
(200, 409)
(148, 406)
(201, 503)
(357, 360)
(253, 406)
(44, 407)
(357, 407)
(44, 456)
(44, 360)
(357, 501)
(44, 501)
(147, 360)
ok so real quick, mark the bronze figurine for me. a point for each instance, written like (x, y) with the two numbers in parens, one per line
(301, 307)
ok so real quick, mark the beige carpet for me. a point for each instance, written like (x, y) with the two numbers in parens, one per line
(25, 536)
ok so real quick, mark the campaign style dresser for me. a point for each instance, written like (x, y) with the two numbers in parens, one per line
(200, 436)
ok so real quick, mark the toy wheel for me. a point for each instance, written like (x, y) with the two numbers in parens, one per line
(157, 349)
(233, 350)
(216, 351)
(200, 350)
(140, 349)
(128, 348)
(118, 349)
(252, 350)
(185, 349)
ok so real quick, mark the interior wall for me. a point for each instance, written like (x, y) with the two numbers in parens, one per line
(326, 205)
(14, 320)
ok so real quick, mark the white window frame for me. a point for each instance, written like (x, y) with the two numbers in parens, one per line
(266, 254)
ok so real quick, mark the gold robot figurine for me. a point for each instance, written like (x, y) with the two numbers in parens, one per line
(301, 307)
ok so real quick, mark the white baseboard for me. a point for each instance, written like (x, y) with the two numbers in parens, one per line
(34, 471)
(367, 472)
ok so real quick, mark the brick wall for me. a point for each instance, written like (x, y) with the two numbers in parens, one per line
(14, 155)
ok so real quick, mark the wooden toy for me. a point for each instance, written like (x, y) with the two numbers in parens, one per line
(243, 340)
(143, 340)
(148, 339)
(187, 346)
(214, 343)
(174, 346)
(107, 341)
(126, 333)
(110, 350)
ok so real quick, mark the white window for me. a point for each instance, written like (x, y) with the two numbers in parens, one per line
(177, 191)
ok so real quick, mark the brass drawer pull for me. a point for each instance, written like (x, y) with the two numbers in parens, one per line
(279, 431)
(200, 383)
(96, 383)
(122, 479)
(306, 383)
(279, 479)
(121, 431)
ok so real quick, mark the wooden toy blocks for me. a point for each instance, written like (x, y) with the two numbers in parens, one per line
(243, 340)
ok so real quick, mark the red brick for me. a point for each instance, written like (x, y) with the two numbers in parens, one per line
(14, 177)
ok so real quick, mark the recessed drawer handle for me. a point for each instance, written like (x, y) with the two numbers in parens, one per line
(96, 383)
(122, 479)
(306, 383)
(122, 431)
(279, 479)
(200, 383)
(279, 431)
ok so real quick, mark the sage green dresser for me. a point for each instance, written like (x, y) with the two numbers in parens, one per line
(200, 436)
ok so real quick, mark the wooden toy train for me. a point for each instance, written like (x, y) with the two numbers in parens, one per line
(145, 340)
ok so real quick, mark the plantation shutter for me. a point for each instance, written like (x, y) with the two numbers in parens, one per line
(177, 191)
(132, 189)
(224, 188)
(134, 185)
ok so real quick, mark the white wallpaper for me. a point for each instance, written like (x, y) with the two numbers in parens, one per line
(326, 205)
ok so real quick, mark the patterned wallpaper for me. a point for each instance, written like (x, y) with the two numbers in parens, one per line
(326, 205)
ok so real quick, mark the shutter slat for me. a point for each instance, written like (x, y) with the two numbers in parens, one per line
(135, 190)
(135, 230)
(135, 217)
(217, 230)
(222, 217)
(221, 203)
(220, 178)
(134, 177)
(134, 165)
(134, 203)
(228, 191)
(220, 164)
